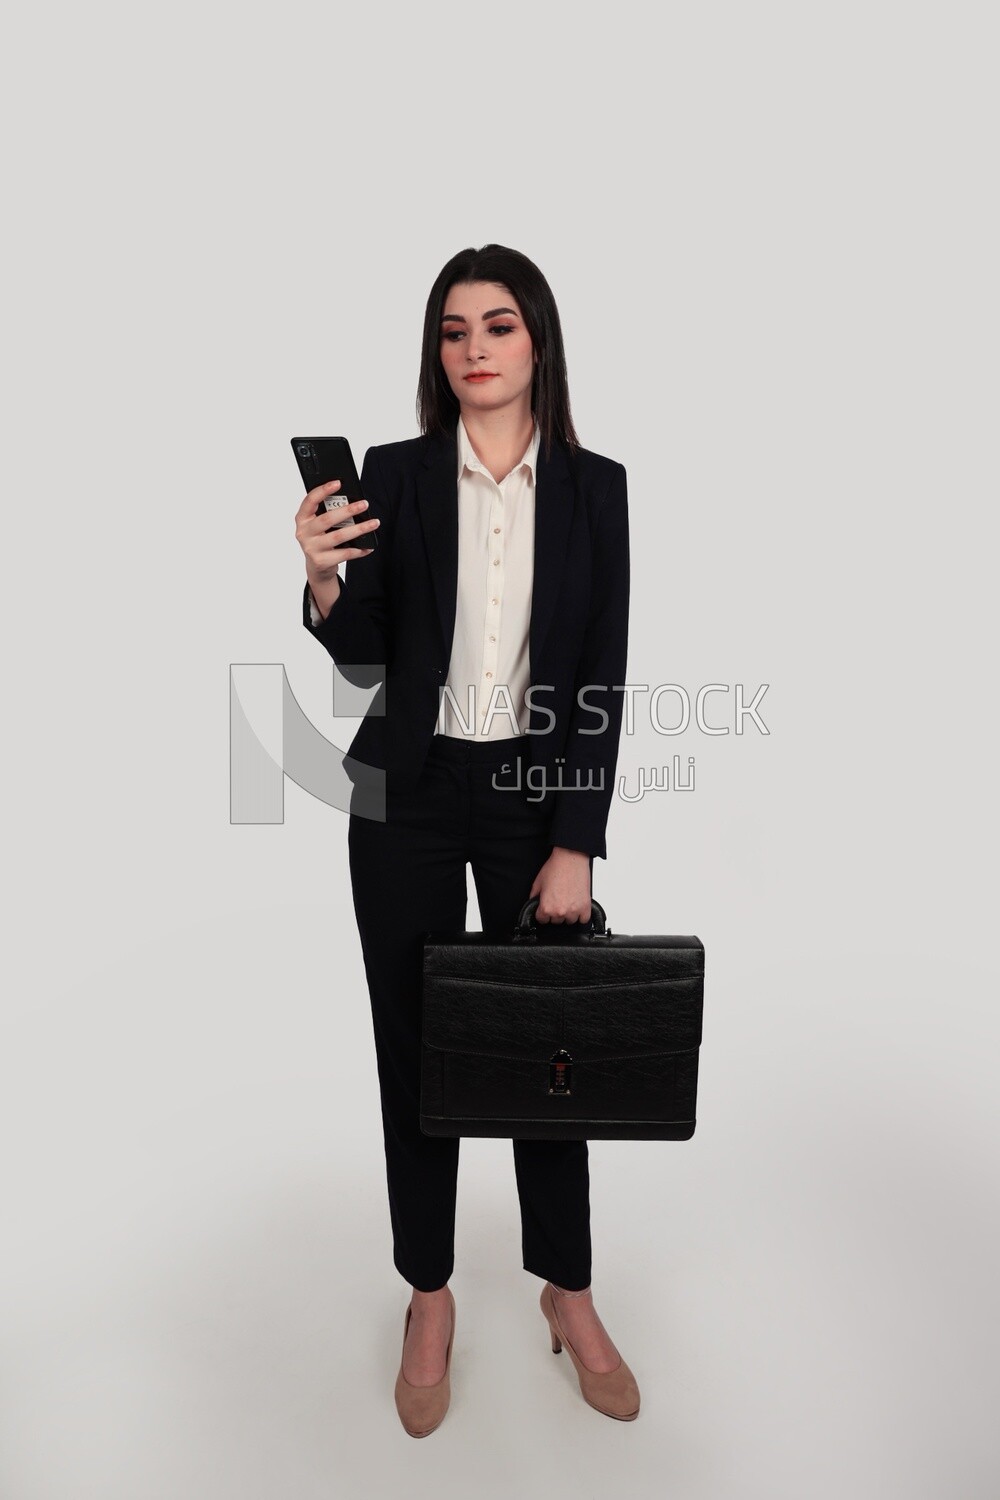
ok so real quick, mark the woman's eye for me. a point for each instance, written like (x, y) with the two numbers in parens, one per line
(454, 334)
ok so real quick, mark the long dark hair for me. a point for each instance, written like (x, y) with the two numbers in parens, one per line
(437, 404)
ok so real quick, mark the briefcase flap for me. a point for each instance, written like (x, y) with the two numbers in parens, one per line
(597, 996)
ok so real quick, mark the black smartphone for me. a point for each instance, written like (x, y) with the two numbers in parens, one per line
(321, 459)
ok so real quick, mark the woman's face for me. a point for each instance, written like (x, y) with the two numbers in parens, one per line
(486, 349)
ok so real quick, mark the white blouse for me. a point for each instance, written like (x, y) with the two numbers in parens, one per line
(489, 665)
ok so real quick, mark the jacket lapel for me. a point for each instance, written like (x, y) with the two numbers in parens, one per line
(437, 500)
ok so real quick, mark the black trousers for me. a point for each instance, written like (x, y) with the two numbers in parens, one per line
(408, 876)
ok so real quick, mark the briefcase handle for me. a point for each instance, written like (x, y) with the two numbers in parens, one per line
(527, 927)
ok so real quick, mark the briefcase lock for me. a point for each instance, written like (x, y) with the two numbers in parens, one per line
(560, 1072)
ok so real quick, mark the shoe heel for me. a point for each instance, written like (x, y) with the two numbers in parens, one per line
(556, 1341)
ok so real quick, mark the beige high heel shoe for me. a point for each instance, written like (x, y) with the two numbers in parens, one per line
(614, 1393)
(422, 1407)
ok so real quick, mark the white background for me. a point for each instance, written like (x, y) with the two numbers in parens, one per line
(772, 234)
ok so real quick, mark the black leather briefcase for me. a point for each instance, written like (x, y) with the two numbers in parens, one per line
(569, 1033)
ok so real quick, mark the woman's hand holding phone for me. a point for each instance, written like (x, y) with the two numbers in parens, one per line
(326, 546)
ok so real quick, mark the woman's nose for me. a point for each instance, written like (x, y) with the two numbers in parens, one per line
(474, 348)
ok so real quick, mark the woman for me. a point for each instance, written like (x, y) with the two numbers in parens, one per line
(501, 578)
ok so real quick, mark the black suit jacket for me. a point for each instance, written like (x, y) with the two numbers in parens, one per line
(395, 619)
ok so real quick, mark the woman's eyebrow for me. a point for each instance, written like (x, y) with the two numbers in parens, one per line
(457, 317)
